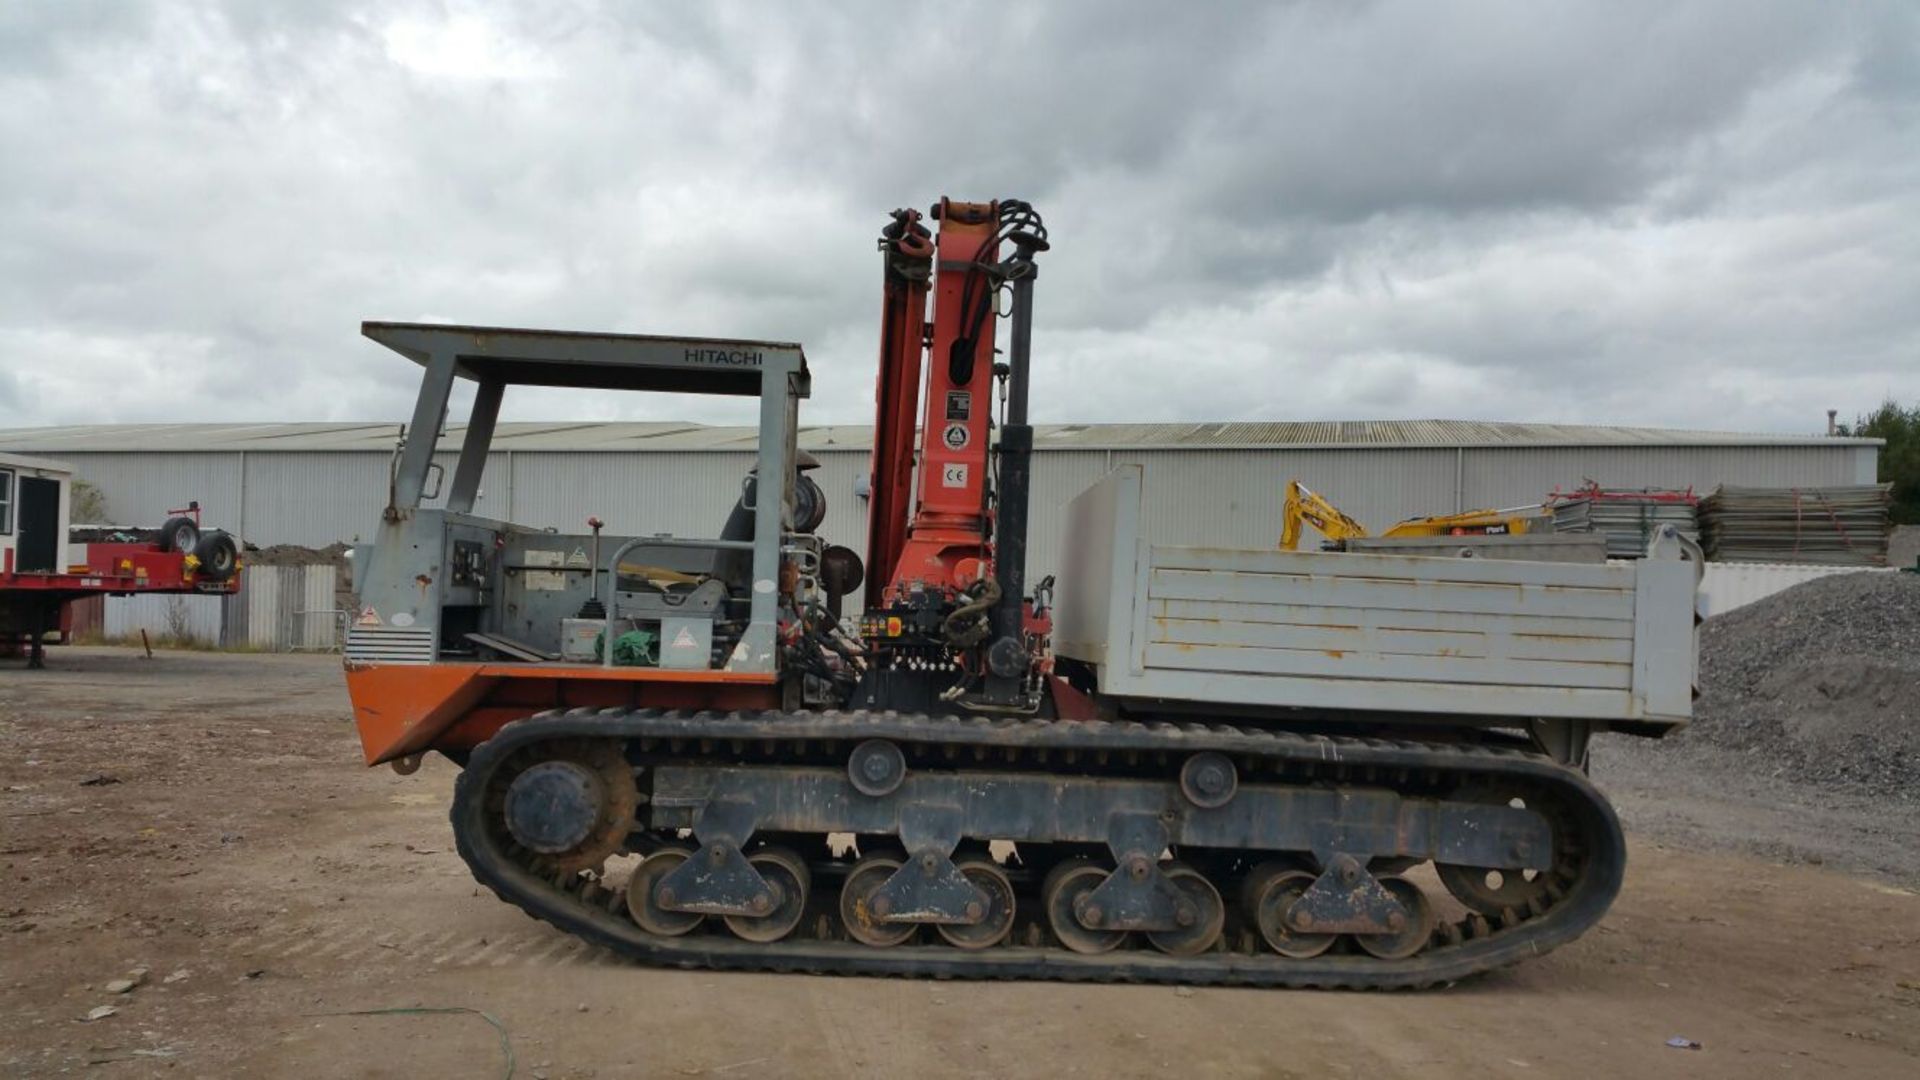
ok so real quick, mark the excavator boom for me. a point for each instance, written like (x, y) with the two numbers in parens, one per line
(1305, 507)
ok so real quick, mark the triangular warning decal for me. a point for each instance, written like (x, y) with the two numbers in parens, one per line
(368, 616)
(684, 640)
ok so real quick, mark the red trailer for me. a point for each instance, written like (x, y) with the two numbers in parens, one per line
(45, 563)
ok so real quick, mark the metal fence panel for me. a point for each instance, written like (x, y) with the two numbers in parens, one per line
(1730, 586)
(278, 609)
(172, 617)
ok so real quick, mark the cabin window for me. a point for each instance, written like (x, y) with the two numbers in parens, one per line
(6, 502)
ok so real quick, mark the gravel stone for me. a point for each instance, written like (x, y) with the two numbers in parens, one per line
(1817, 684)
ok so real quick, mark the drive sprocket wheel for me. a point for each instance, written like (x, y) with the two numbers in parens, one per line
(614, 797)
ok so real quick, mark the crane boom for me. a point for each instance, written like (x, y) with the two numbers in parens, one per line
(907, 248)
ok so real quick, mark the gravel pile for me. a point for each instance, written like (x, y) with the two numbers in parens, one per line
(295, 555)
(1819, 683)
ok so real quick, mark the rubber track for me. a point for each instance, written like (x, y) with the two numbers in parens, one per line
(1586, 900)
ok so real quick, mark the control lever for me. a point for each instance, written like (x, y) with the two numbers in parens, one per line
(593, 608)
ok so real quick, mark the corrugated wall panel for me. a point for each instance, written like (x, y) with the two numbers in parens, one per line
(322, 498)
(319, 498)
(1057, 477)
(685, 494)
(260, 588)
(141, 488)
(320, 622)
(1512, 477)
(1229, 497)
(1234, 499)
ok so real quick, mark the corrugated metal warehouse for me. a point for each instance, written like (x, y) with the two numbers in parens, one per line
(313, 484)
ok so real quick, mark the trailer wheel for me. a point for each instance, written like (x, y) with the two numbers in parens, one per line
(219, 556)
(179, 534)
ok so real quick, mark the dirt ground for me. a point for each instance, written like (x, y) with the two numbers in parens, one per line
(205, 817)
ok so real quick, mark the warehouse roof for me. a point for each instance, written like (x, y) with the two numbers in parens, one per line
(671, 435)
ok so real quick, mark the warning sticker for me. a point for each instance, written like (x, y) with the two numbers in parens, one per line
(368, 616)
(953, 476)
(684, 640)
(578, 558)
(956, 436)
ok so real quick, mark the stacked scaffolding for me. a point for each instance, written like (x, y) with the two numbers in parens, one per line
(1627, 517)
(1845, 525)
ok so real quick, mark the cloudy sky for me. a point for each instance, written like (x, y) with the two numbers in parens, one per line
(1699, 215)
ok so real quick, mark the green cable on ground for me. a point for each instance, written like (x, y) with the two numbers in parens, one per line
(506, 1044)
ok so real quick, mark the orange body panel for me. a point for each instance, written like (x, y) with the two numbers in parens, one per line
(405, 709)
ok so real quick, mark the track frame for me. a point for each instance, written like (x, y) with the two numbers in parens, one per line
(580, 905)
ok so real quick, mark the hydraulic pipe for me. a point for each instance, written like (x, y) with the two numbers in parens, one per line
(1007, 657)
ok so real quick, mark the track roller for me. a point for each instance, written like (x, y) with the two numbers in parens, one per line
(1209, 918)
(1270, 890)
(787, 873)
(643, 903)
(1419, 928)
(992, 929)
(1065, 884)
(856, 913)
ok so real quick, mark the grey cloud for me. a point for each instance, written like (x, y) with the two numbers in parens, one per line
(1522, 211)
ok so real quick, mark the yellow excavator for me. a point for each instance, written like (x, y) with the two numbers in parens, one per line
(1305, 507)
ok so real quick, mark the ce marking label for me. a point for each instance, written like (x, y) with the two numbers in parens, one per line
(953, 476)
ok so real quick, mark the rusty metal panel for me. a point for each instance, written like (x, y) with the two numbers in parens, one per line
(1398, 618)
(1396, 667)
(1380, 635)
(1364, 581)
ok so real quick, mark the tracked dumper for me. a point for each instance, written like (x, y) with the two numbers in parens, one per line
(1173, 764)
